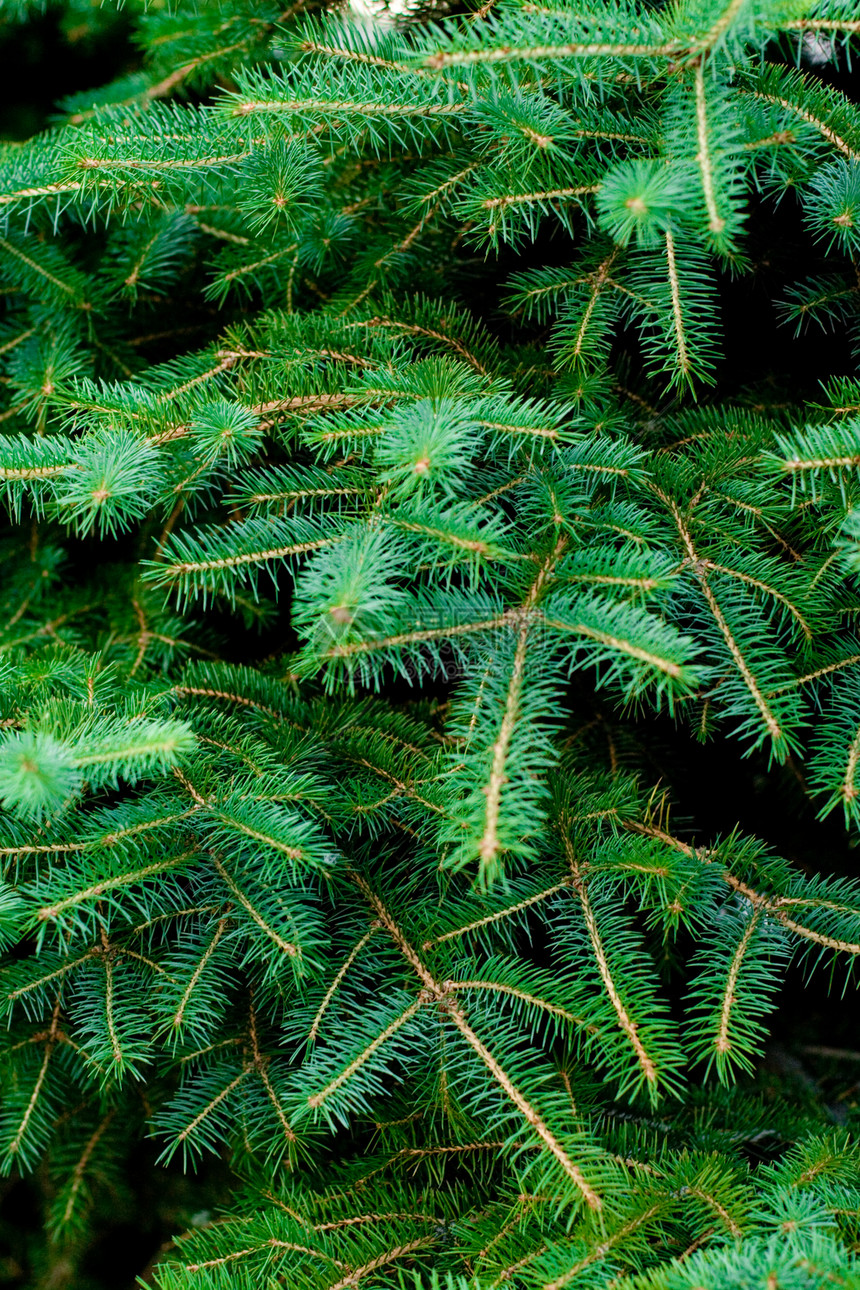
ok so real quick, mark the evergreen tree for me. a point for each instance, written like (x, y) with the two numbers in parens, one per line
(385, 528)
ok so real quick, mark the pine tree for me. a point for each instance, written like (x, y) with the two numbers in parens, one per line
(385, 529)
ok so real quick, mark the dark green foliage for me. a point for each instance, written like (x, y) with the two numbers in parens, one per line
(386, 530)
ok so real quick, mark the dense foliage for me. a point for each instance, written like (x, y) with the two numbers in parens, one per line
(404, 491)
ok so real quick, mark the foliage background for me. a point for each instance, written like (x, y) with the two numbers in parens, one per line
(812, 1051)
(57, 52)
